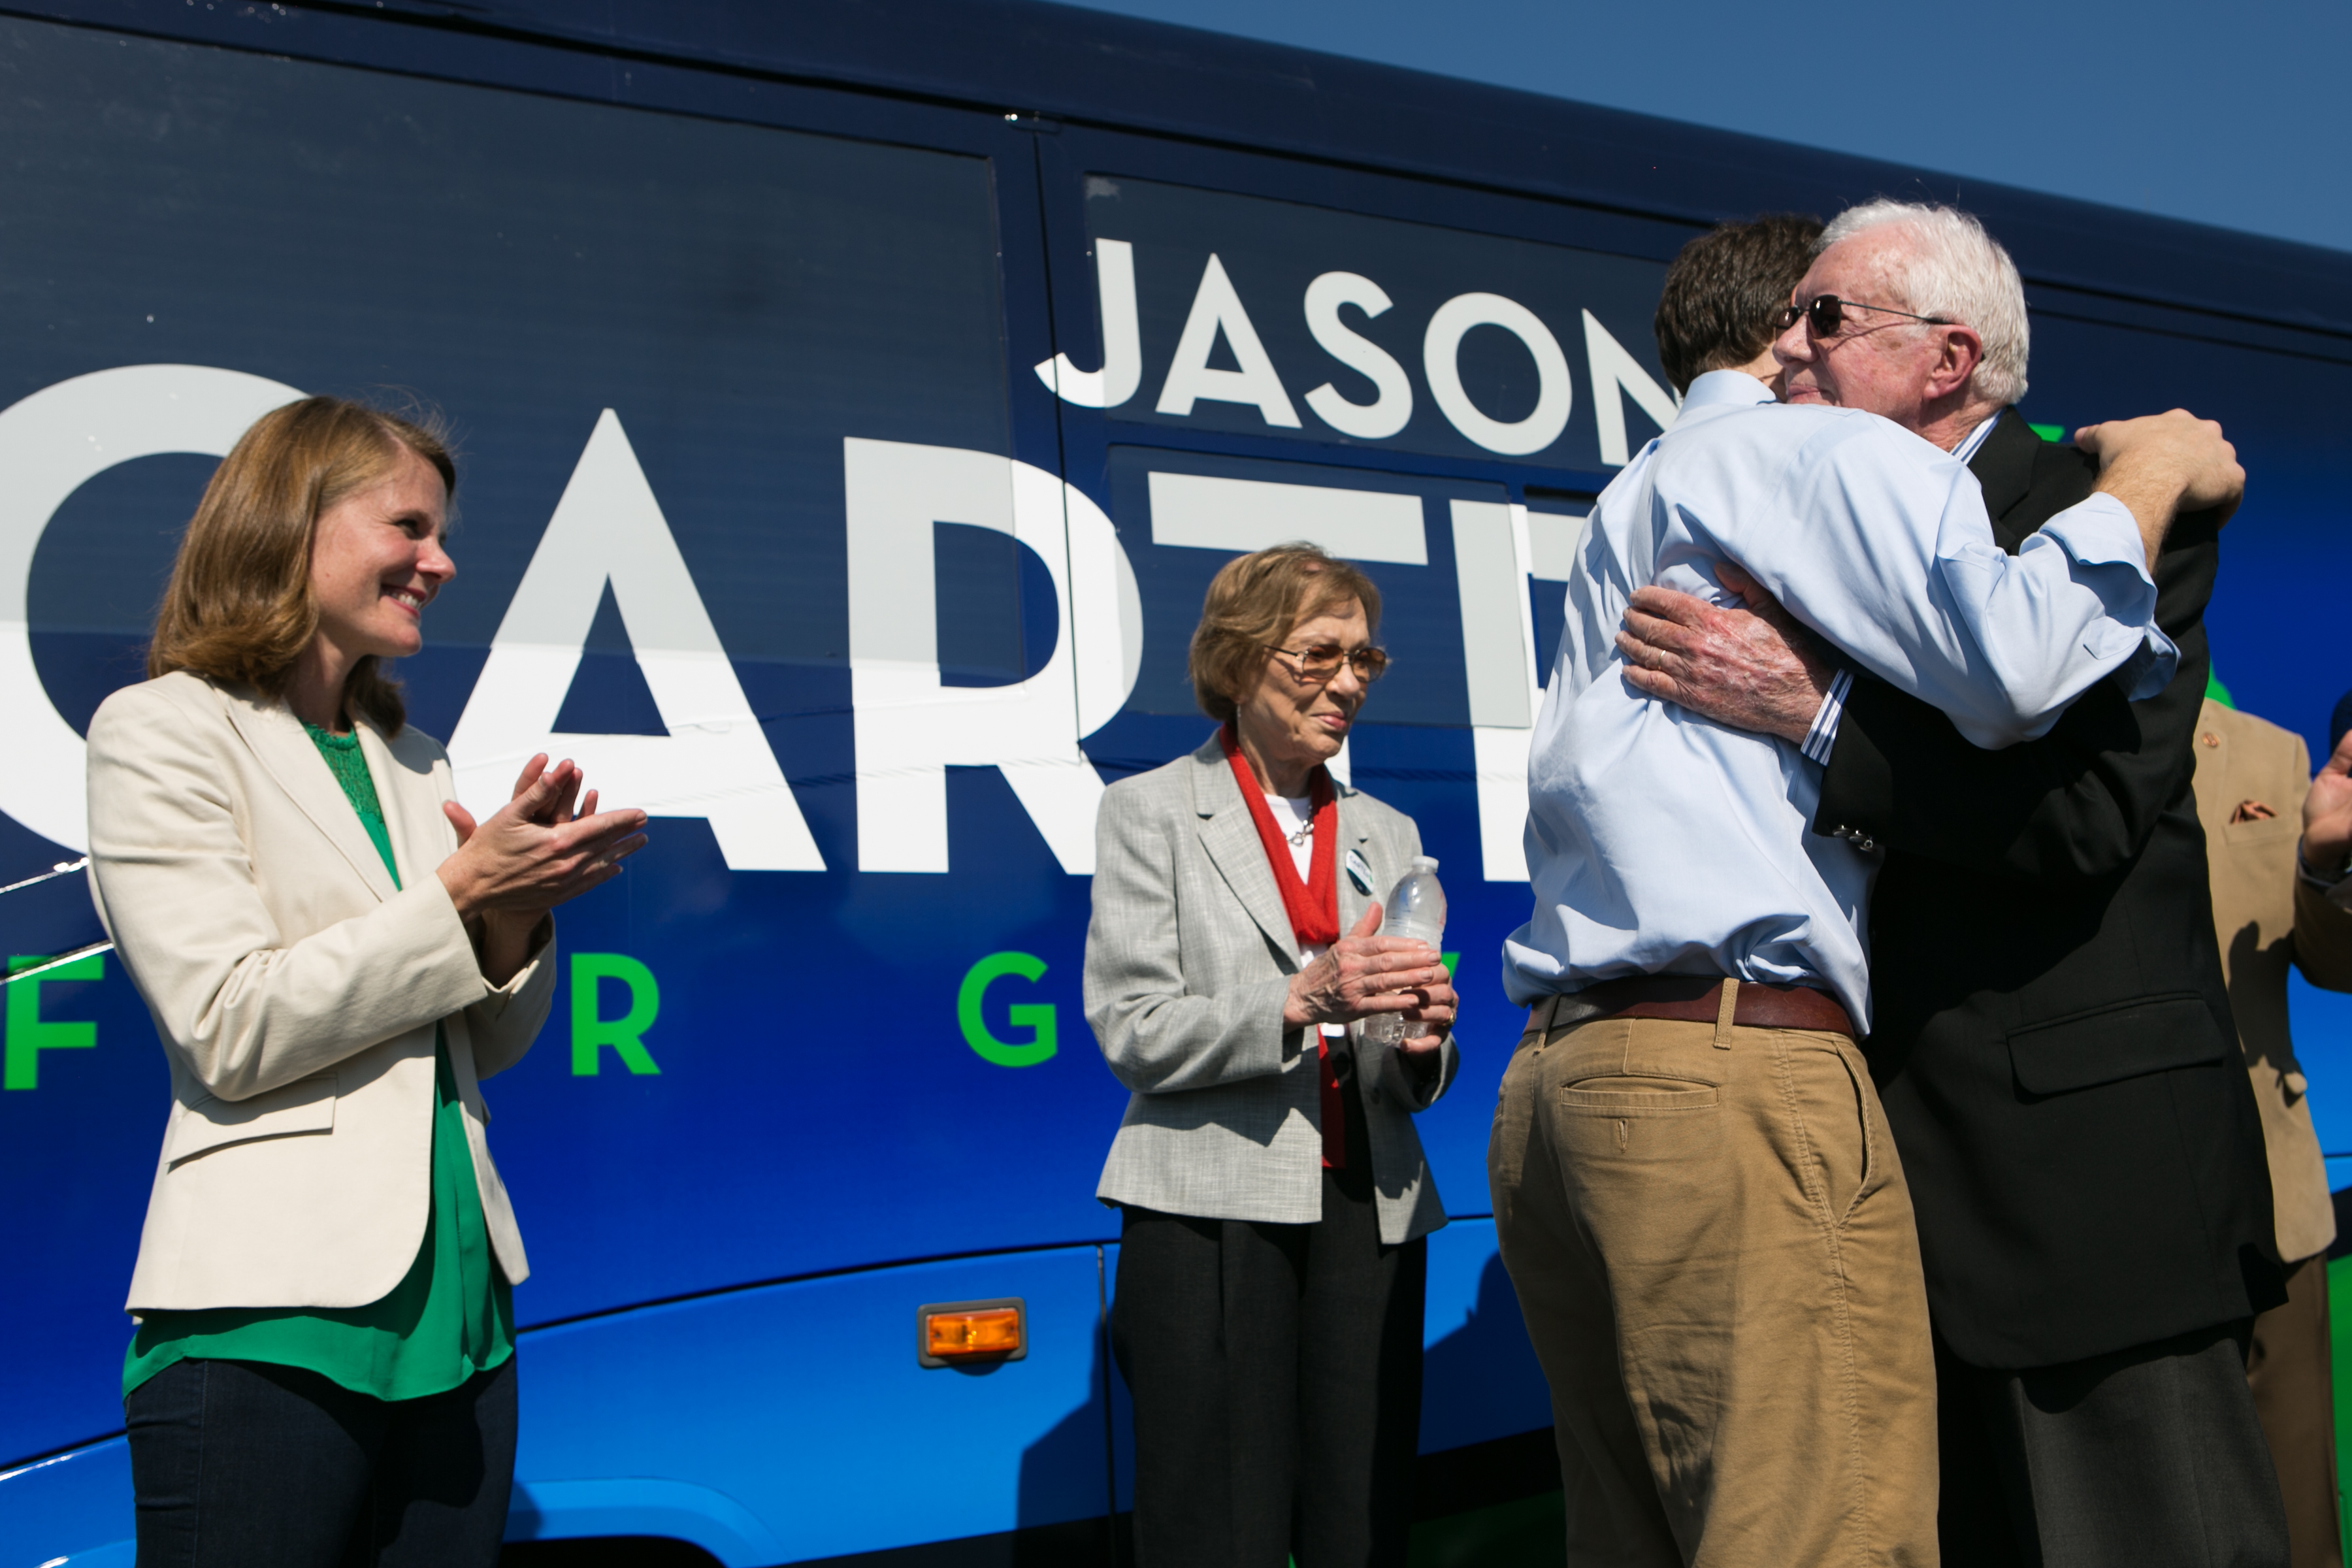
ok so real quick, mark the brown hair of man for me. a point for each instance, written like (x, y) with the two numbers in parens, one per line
(238, 606)
(1724, 292)
(1253, 602)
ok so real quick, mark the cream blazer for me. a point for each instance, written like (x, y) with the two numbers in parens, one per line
(296, 993)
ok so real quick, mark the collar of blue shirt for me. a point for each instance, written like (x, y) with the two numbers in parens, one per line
(1724, 388)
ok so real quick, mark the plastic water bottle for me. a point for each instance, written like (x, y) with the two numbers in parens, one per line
(1416, 908)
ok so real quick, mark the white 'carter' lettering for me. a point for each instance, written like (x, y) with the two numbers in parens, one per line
(715, 763)
(51, 443)
(910, 729)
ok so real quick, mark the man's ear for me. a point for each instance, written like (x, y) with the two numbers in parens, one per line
(1963, 350)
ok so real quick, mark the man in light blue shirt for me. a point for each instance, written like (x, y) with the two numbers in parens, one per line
(1707, 1225)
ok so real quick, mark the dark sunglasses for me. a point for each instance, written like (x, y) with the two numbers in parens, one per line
(1321, 662)
(1827, 314)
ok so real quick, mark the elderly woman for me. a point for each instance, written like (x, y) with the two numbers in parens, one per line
(1271, 1261)
(335, 956)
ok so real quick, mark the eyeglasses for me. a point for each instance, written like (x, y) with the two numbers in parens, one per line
(1827, 314)
(1321, 662)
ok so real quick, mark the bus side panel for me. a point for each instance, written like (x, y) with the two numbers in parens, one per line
(805, 1407)
(769, 1057)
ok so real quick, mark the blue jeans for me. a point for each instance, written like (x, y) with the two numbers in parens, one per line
(237, 1463)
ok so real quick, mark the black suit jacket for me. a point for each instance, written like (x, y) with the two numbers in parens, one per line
(2051, 1034)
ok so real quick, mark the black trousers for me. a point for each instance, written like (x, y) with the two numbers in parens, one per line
(1276, 1371)
(236, 1464)
(2145, 1457)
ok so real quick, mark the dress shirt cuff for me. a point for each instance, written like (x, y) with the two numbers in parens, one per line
(1824, 731)
(2341, 882)
(2101, 532)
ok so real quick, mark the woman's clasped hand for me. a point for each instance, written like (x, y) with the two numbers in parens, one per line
(529, 856)
(1364, 974)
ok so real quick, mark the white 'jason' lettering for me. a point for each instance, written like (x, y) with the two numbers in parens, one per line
(1216, 307)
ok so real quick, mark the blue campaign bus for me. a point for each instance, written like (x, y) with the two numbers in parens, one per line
(854, 399)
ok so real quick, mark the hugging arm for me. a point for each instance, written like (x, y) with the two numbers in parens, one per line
(2083, 800)
(2080, 802)
(1893, 561)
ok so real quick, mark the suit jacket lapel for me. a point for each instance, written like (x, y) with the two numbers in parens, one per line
(2004, 469)
(1355, 836)
(1230, 838)
(412, 808)
(284, 750)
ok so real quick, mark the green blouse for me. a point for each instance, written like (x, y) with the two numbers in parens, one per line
(450, 1316)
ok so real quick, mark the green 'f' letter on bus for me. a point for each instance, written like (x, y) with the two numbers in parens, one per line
(1037, 1017)
(27, 1035)
(626, 1034)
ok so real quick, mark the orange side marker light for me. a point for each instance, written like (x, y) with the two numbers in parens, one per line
(966, 1333)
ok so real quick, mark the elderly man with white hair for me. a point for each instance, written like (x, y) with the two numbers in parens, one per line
(1708, 1227)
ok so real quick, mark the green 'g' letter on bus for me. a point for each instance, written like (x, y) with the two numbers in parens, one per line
(626, 1034)
(1035, 1017)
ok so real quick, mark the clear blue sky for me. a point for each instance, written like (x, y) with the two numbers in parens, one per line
(2237, 115)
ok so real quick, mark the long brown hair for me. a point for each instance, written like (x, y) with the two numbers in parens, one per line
(239, 606)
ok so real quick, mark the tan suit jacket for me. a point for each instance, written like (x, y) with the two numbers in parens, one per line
(2267, 917)
(295, 991)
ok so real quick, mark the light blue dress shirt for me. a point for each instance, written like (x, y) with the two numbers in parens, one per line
(1661, 843)
(1823, 734)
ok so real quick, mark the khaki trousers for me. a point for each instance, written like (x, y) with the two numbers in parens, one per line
(1714, 1248)
(2293, 1383)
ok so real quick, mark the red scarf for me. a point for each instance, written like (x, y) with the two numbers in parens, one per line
(1312, 905)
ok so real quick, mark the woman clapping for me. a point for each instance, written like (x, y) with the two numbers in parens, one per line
(335, 956)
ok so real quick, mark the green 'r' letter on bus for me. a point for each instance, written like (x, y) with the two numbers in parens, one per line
(1037, 1017)
(626, 1034)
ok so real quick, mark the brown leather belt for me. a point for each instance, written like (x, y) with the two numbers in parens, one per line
(1695, 999)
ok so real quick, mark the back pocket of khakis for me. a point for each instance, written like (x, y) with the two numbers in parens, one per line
(1639, 1096)
(1649, 1123)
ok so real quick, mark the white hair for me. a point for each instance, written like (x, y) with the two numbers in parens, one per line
(1954, 269)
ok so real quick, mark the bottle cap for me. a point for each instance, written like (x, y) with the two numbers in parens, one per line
(1425, 862)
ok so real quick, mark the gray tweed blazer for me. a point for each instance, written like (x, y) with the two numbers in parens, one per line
(1189, 959)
